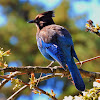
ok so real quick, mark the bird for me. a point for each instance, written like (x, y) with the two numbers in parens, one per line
(55, 43)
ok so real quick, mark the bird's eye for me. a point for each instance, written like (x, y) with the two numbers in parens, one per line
(37, 20)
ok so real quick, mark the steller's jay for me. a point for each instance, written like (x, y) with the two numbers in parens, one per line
(55, 43)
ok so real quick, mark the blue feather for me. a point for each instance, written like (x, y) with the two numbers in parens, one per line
(58, 46)
(76, 75)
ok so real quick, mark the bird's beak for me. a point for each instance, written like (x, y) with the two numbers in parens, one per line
(31, 21)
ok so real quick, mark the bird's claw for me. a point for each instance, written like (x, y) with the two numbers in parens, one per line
(81, 63)
(50, 68)
(50, 64)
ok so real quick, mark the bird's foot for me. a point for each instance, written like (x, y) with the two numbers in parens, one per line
(51, 68)
(81, 63)
(50, 64)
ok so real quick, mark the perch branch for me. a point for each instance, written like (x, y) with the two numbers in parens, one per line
(55, 70)
(39, 69)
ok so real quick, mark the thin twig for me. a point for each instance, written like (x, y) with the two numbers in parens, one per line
(13, 78)
(35, 87)
(82, 62)
(49, 76)
(37, 80)
(24, 87)
(44, 92)
(10, 76)
(17, 92)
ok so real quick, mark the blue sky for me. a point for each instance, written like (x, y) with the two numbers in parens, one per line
(92, 8)
(78, 8)
(3, 18)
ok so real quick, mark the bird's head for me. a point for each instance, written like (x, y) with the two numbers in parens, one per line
(43, 19)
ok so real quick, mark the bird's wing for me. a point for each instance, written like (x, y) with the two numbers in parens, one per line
(58, 35)
(55, 52)
(64, 41)
(66, 44)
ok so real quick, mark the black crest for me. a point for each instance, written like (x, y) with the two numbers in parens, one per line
(48, 14)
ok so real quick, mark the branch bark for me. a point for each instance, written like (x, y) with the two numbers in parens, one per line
(57, 71)
(46, 70)
(39, 69)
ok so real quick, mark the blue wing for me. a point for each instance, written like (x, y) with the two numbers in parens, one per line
(52, 52)
(56, 53)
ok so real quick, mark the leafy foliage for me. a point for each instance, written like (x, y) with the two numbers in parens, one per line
(92, 94)
(94, 29)
(3, 63)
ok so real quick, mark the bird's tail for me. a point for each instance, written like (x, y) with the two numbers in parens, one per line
(76, 76)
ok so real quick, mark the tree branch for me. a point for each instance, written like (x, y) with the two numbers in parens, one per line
(82, 62)
(57, 71)
(6, 78)
(92, 74)
(17, 92)
(26, 85)
(35, 87)
(48, 94)
(39, 69)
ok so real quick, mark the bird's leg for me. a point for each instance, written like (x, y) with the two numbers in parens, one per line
(81, 63)
(49, 66)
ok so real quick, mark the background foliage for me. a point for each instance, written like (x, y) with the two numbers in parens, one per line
(19, 36)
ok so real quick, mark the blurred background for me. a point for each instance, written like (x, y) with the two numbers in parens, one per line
(19, 36)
